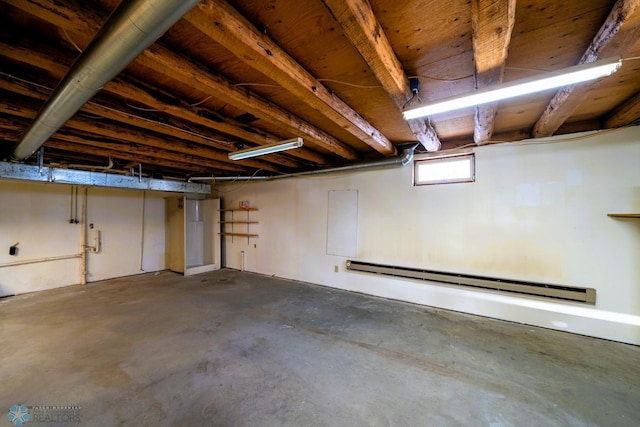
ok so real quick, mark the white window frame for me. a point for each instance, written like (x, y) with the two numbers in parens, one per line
(471, 177)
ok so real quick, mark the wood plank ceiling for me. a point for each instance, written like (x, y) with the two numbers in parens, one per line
(233, 73)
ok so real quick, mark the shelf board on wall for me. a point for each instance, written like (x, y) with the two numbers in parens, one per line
(238, 210)
(624, 215)
(239, 234)
(239, 222)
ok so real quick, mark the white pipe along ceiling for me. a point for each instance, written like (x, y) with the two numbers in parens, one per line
(402, 160)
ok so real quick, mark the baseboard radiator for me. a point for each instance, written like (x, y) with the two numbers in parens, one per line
(544, 290)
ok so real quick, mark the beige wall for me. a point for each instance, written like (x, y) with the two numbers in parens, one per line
(537, 211)
(37, 215)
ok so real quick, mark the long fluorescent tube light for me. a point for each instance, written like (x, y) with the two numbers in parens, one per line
(554, 79)
(267, 149)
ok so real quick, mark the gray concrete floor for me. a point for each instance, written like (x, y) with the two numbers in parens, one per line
(237, 349)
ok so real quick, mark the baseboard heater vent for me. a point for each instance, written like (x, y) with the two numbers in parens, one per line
(556, 292)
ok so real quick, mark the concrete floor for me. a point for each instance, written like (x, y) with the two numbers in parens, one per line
(236, 349)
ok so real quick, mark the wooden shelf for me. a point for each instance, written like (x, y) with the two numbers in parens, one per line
(624, 215)
(237, 222)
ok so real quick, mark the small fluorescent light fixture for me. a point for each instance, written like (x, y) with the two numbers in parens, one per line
(267, 149)
(554, 79)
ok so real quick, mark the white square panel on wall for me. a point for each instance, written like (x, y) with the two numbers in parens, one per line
(342, 223)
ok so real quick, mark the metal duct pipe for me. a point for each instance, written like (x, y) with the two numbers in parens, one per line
(404, 159)
(130, 29)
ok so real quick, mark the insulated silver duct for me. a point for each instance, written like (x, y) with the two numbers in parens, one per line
(404, 159)
(130, 29)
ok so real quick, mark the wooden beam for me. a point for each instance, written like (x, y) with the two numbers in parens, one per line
(179, 112)
(222, 23)
(581, 126)
(62, 14)
(104, 111)
(497, 138)
(360, 25)
(22, 108)
(610, 40)
(174, 66)
(88, 148)
(624, 114)
(176, 108)
(13, 126)
(211, 120)
(130, 150)
(76, 17)
(492, 22)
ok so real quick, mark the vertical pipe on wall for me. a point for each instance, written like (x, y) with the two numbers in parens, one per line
(71, 206)
(144, 198)
(83, 240)
(75, 216)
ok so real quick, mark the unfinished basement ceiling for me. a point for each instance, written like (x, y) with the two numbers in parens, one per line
(252, 73)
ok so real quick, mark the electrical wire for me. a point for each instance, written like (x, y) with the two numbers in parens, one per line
(549, 140)
(71, 41)
(219, 141)
(11, 76)
(90, 116)
(410, 100)
(414, 97)
(417, 76)
(350, 84)
(519, 143)
(150, 110)
(242, 184)
(195, 104)
(258, 84)
(440, 79)
(537, 70)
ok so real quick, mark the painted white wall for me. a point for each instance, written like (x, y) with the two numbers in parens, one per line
(118, 214)
(37, 215)
(536, 212)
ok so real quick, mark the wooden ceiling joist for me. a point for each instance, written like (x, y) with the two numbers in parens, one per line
(138, 157)
(492, 22)
(131, 135)
(609, 40)
(180, 69)
(223, 24)
(188, 101)
(13, 126)
(63, 14)
(179, 110)
(114, 113)
(360, 25)
(70, 16)
(134, 150)
(625, 114)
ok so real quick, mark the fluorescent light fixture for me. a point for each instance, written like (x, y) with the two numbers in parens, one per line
(554, 79)
(267, 149)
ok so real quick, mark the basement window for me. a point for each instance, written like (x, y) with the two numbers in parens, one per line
(444, 170)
